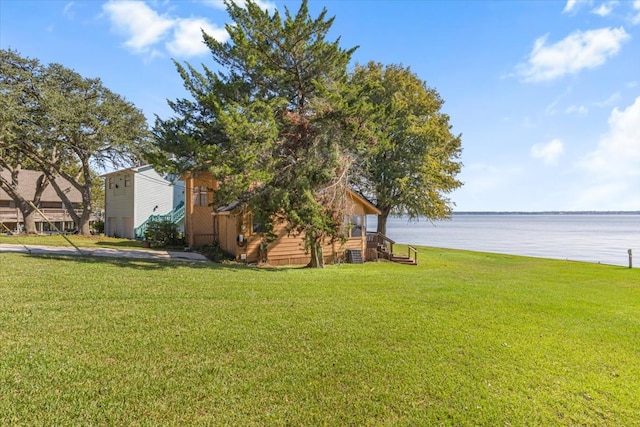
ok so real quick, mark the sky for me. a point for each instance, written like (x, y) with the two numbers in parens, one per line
(546, 94)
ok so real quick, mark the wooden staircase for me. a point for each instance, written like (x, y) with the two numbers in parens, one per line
(384, 248)
(403, 259)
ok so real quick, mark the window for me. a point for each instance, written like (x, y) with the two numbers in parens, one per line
(110, 182)
(354, 225)
(200, 196)
(257, 227)
(127, 180)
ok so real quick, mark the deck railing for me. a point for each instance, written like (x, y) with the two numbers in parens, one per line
(384, 246)
(175, 216)
(381, 243)
(53, 214)
(410, 250)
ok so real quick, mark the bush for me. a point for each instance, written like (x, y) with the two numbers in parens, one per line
(97, 227)
(214, 252)
(162, 234)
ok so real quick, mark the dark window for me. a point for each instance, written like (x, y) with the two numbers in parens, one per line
(354, 225)
(200, 196)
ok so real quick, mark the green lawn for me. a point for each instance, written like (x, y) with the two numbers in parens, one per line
(58, 240)
(463, 339)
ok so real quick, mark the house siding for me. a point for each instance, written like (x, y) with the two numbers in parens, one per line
(153, 195)
(133, 195)
(287, 249)
(199, 220)
(204, 225)
(119, 199)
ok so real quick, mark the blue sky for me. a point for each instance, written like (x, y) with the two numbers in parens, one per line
(546, 94)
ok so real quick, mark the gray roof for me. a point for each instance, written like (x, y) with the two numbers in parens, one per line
(27, 187)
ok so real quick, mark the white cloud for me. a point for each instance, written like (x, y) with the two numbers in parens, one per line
(146, 29)
(578, 51)
(187, 40)
(573, 5)
(549, 152)
(618, 152)
(68, 11)
(613, 168)
(605, 8)
(609, 102)
(142, 25)
(580, 110)
(636, 18)
(269, 5)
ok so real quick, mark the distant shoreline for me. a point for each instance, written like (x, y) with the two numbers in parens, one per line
(547, 213)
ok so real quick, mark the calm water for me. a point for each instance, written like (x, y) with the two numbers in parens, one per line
(592, 238)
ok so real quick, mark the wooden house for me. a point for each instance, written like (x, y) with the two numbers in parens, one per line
(234, 228)
(50, 204)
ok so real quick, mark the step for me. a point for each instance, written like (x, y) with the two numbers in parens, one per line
(403, 259)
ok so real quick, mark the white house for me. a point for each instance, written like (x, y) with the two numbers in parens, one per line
(133, 195)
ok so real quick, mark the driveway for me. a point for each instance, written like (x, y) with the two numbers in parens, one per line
(105, 252)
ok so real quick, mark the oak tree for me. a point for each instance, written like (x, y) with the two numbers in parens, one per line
(67, 126)
(414, 160)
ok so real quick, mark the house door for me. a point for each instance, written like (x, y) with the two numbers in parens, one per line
(127, 227)
(112, 226)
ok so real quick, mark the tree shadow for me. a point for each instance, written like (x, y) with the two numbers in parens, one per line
(133, 244)
(159, 264)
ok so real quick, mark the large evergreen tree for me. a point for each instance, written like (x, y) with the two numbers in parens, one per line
(65, 125)
(414, 161)
(270, 123)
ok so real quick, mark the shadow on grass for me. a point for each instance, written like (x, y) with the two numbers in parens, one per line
(155, 265)
(125, 244)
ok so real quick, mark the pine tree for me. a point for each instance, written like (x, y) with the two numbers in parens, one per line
(270, 124)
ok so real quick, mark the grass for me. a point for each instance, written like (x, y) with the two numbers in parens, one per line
(78, 240)
(463, 339)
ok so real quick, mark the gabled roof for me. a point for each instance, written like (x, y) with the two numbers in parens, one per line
(228, 208)
(27, 180)
(133, 169)
(369, 208)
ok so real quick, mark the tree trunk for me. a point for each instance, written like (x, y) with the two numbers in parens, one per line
(382, 219)
(317, 260)
(29, 222)
(28, 215)
(83, 224)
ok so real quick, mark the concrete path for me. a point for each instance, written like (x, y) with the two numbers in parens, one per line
(105, 252)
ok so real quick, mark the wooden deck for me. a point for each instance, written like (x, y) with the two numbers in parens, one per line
(381, 247)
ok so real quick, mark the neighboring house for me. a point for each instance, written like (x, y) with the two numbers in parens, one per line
(50, 204)
(133, 195)
(236, 232)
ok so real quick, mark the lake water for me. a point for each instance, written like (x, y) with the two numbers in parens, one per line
(578, 237)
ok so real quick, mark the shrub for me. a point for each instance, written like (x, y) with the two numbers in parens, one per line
(97, 227)
(162, 234)
(214, 252)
